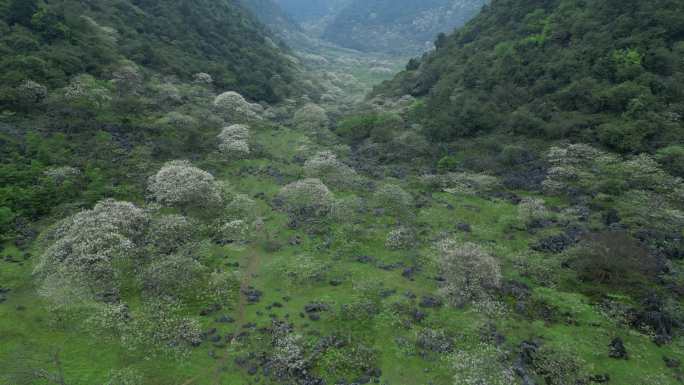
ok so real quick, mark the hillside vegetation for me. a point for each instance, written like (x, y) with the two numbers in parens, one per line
(602, 72)
(242, 215)
(398, 27)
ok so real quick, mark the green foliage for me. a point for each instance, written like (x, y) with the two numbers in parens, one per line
(379, 127)
(563, 69)
(672, 159)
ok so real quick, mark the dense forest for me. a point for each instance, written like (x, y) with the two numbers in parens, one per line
(602, 72)
(268, 192)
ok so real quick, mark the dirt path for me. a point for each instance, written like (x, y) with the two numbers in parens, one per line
(253, 265)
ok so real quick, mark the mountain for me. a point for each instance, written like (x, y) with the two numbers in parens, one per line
(305, 11)
(53, 41)
(398, 26)
(606, 72)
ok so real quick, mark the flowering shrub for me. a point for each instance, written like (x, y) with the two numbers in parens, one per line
(329, 169)
(203, 78)
(307, 198)
(62, 174)
(463, 183)
(532, 210)
(469, 272)
(311, 118)
(159, 329)
(235, 108)
(235, 231)
(485, 364)
(178, 183)
(85, 89)
(233, 141)
(393, 198)
(126, 376)
(287, 359)
(400, 238)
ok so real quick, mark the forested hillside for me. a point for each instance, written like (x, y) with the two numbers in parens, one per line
(86, 82)
(605, 72)
(398, 26)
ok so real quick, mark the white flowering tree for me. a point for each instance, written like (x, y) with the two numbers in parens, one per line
(87, 245)
(325, 166)
(235, 108)
(470, 273)
(234, 141)
(306, 199)
(180, 184)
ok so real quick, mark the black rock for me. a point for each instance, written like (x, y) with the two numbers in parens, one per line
(409, 272)
(315, 308)
(418, 315)
(554, 244)
(429, 301)
(215, 338)
(600, 378)
(253, 295)
(465, 227)
(210, 309)
(224, 319)
(672, 362)
(617, 349)
(335, 282)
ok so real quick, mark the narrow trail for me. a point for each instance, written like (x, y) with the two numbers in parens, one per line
(253, 265)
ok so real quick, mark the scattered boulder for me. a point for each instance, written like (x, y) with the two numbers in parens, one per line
(617, 349)
(671, 362)
(253, 295)
(464, 227)
(554, 244)
(429, 301)
(225, 319)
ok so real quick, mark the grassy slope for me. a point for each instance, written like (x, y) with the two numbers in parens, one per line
(87, 360)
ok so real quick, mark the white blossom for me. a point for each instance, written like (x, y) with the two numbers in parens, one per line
(179, 183)
(234, 141)
(236, 108)
(325, 166)
(469, 272)
(400, 238)
(306, 198)
(61, 174)
(203, 78)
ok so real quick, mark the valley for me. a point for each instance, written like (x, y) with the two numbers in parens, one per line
(215, 192)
